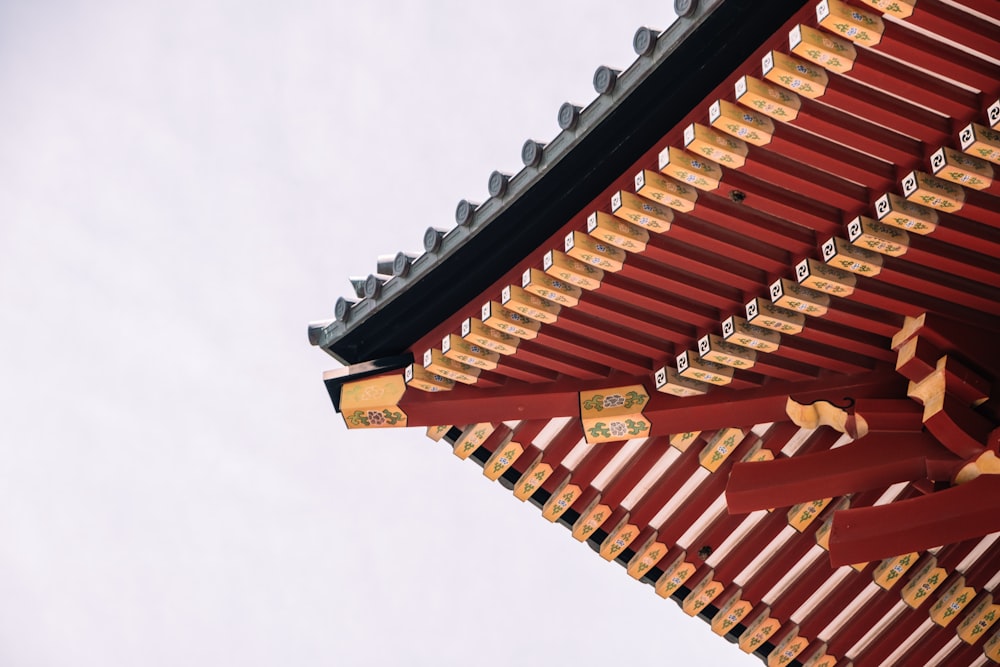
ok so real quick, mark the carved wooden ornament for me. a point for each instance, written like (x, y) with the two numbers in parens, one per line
(373, 402)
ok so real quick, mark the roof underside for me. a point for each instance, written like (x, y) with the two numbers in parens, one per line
(824, 186)
(609, 138)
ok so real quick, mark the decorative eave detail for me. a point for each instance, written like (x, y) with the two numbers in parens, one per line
(477, 333)
(640, 211)
(435, 362)
(457, 348)
(884, 239)
(668, 381)
(529, 304)
(891, 209)
(502, 459)
(788, 649)
(715, 349)
(675, 574)
(702, 594)
(795, 74)
(762, 313)
(923, 582)
(825, 413)
(980, 141)
(891, 570)
(721, 148)
(532, 479)
(951, 603)
(961, 168)
(690, 169)
(420, 378)
(977, 623)
(646, 558)
(855, 24)
(720, 447)
(590, 519)
(561, 266)
(664, 190)
(822, 48)
(472, 438)
(692, 367)
(548, 287)
(759, 630)
(592, 252)
(561, 500)
(373, 402)
(755, 128)
(615, 413)
(731, 610)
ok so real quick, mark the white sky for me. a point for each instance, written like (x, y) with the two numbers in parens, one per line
(183, 186)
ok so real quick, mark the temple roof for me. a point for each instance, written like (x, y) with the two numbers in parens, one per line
(734, 326)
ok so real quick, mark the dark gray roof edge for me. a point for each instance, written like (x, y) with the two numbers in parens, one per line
(612, 132)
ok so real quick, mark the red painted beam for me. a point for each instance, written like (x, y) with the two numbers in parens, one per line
(669, 250)
(804, 587)
(808, 185)
(675, 525)
(665, 488)
(724, 407)
(857, 340)
(674, 305)
(979, 206)
(611, 335)
(618, 310)
(985, 7)
(910, 301)
(884, 109)
(846, 593)
(802, 349)
(579, 346)
(892, 415)
(859, 134)
(977, 348)
(955, 514)
(753, 544)
(931, 54)
(836, 158)
(563, 442)
(956, 25)
(558, 476)
(698, 502)
(809, 210)
(875, 461)
(730, 243)
(782, 367)
(959, 428)
(932, 253)
(634, 470)
(860, 316)
(520, 370)
(898, 78)
(543, 356)
(528, 430)
(940, 285)
(968, 234)
(594, 461)
(471, 404)
(657, 275)
(719, 208)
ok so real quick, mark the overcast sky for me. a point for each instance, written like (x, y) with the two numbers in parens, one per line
(183, 186)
